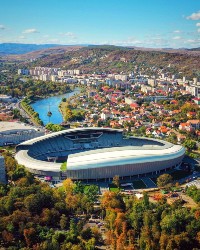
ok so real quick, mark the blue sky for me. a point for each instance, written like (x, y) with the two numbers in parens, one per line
(142, 23)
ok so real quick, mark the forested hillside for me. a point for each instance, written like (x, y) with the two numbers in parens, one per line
(118, 59)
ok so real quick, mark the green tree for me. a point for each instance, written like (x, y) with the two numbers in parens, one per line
(63, 221)
(190, 145)
(164, 180)
(91, 192)
(90, 245)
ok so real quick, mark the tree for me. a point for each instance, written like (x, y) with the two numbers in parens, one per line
(164, 180)
(63, 221)
(90, 245)
(86, 234)
(68, 186)
(116, 181)
(79, 187)
(30, 236)
(190, 144)
(91, 192)
(112, 200)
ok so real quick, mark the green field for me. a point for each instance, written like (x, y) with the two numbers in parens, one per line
(113, 188)
(139, 184)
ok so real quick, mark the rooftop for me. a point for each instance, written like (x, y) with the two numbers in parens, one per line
(10, 126)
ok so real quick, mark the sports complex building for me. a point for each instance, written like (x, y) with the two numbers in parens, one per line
(13, 133)
(97, 154)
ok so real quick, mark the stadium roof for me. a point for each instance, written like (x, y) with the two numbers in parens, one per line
(103, 158)
(122, 156)
(63, 132)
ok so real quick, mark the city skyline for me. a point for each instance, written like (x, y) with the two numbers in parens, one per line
(156, 23)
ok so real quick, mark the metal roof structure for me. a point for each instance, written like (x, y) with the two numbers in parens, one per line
(148, 151)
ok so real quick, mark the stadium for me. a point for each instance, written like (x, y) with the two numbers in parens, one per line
(97, 154)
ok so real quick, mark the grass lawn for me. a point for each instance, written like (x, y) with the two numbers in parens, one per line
(87, 186)
(113, 188)
(139, 184)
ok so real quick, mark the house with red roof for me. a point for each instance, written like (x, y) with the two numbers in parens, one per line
(194, 123)
(186, 127)
(196, 100)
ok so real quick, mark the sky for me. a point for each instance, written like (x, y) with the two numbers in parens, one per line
(141, 23)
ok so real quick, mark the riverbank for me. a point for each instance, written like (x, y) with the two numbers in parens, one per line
(44, 105)
(34, 116)
(71, 110)
(38, 98)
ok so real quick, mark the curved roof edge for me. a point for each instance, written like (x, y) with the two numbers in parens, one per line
(54, 134)
(95, 161)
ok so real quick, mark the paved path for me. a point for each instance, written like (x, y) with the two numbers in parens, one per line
(148, 182)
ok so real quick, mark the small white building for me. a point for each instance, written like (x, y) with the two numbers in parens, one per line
(105, 115)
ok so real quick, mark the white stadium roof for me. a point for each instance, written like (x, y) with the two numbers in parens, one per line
(113, 157)
(100, 157)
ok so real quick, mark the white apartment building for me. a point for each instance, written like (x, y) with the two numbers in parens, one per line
(194, 90)
(121, 77)
(152, 82)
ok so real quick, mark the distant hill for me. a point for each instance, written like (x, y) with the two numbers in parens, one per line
(20, 48)
(33, 55)
(119, 59)
(195, 49)
(115, 59)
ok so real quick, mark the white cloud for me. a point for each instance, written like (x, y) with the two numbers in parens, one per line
(69, 35)
(198, 24)
(22, 37)
(2, 27)
(177, 31)
(30, 31)
(198, 30)
(176, 38)
(131, 41)
(194, 16)
(192, 41)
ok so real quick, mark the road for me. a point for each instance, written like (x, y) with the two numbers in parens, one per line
(24, 114)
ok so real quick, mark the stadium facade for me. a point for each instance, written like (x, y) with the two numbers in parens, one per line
(97, 153)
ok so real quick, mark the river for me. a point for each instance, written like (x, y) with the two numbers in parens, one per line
(51, 103)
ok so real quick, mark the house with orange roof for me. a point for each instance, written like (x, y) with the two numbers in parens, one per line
(5, 117)
(176, 111)
(186, 127)
(191, 114)
(180, 138)
(175, 102)
(163, 129)
(194, 123)
(115, 124)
